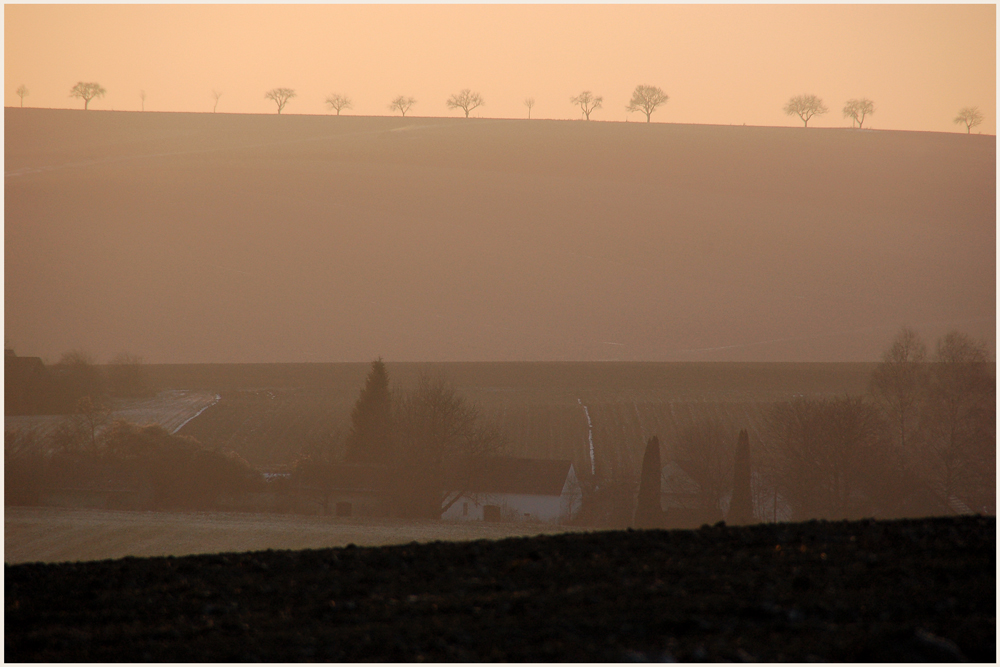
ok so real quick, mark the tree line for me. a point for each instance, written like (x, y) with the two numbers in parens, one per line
(645, 99)
(921, 441)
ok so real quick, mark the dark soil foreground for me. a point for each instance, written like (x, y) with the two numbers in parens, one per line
(849, 591)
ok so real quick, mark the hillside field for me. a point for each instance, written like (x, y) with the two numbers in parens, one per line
(258, 238)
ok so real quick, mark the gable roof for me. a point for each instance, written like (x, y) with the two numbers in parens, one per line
(543, 477)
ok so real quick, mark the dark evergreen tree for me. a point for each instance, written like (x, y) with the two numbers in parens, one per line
(741, 505)
(370, 436)
(648, 513)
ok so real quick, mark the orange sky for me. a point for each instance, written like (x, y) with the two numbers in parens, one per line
(725, 64)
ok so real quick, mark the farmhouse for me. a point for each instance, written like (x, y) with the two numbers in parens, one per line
(516, 489)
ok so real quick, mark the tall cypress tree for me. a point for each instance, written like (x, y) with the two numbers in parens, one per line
(648, 513)
(741, 505)
(370, 436)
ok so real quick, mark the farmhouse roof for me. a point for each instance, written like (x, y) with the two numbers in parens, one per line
(543, 477)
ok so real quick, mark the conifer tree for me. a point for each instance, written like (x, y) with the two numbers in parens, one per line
(741, 505)
(648, 513)
(370, 436)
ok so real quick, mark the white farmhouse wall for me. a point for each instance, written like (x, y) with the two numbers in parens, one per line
(526, 506)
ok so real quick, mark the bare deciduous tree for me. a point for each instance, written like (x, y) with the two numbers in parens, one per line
(441, 442)
(588, 102)
(466, 100)
(960, 417)
(87, 92)
(339, 102)
(646, 99)
(402, 104)
(898, 383)
(142, 98)
(971, 116)
(22, 92)
(529, 102)
(831, 459)
(857, 109)
(805, 107)
(280, 96)
(216, 94)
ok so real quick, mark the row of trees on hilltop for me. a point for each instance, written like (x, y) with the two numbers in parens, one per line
(426, 444)
(808, 106)
(645, 99)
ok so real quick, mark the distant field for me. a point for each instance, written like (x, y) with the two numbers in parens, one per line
(56, 535)
(269, 412)
(171, 409)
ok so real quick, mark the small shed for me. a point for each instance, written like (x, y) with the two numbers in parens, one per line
(518, 489)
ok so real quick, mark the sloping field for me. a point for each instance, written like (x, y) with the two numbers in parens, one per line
(48, 534)
(171, 409)
(217, 237)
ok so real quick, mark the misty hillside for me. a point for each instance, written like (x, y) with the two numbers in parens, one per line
(233, 238)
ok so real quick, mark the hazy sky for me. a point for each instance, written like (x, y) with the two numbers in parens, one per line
(725, 64)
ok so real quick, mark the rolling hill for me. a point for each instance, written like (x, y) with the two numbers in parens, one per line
(246, 238)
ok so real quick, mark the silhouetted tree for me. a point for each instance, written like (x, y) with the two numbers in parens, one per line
(831, 459)
(87, 92)
(466, 100)
(741, 504)
(898, 384)
(339, 102)
(646, 99)
(22, 92)
(588, 102)
(648, 512)
(441, 441)
(529, 102)
(216, 94)
(280, 96)
(82, 431)
(970, 116)
(142, 97)
(370, 435)
(805, 107)
(858, 109)
(402, 104)
(960, 416)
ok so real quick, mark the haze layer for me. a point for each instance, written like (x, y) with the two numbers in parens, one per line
(239, 238)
